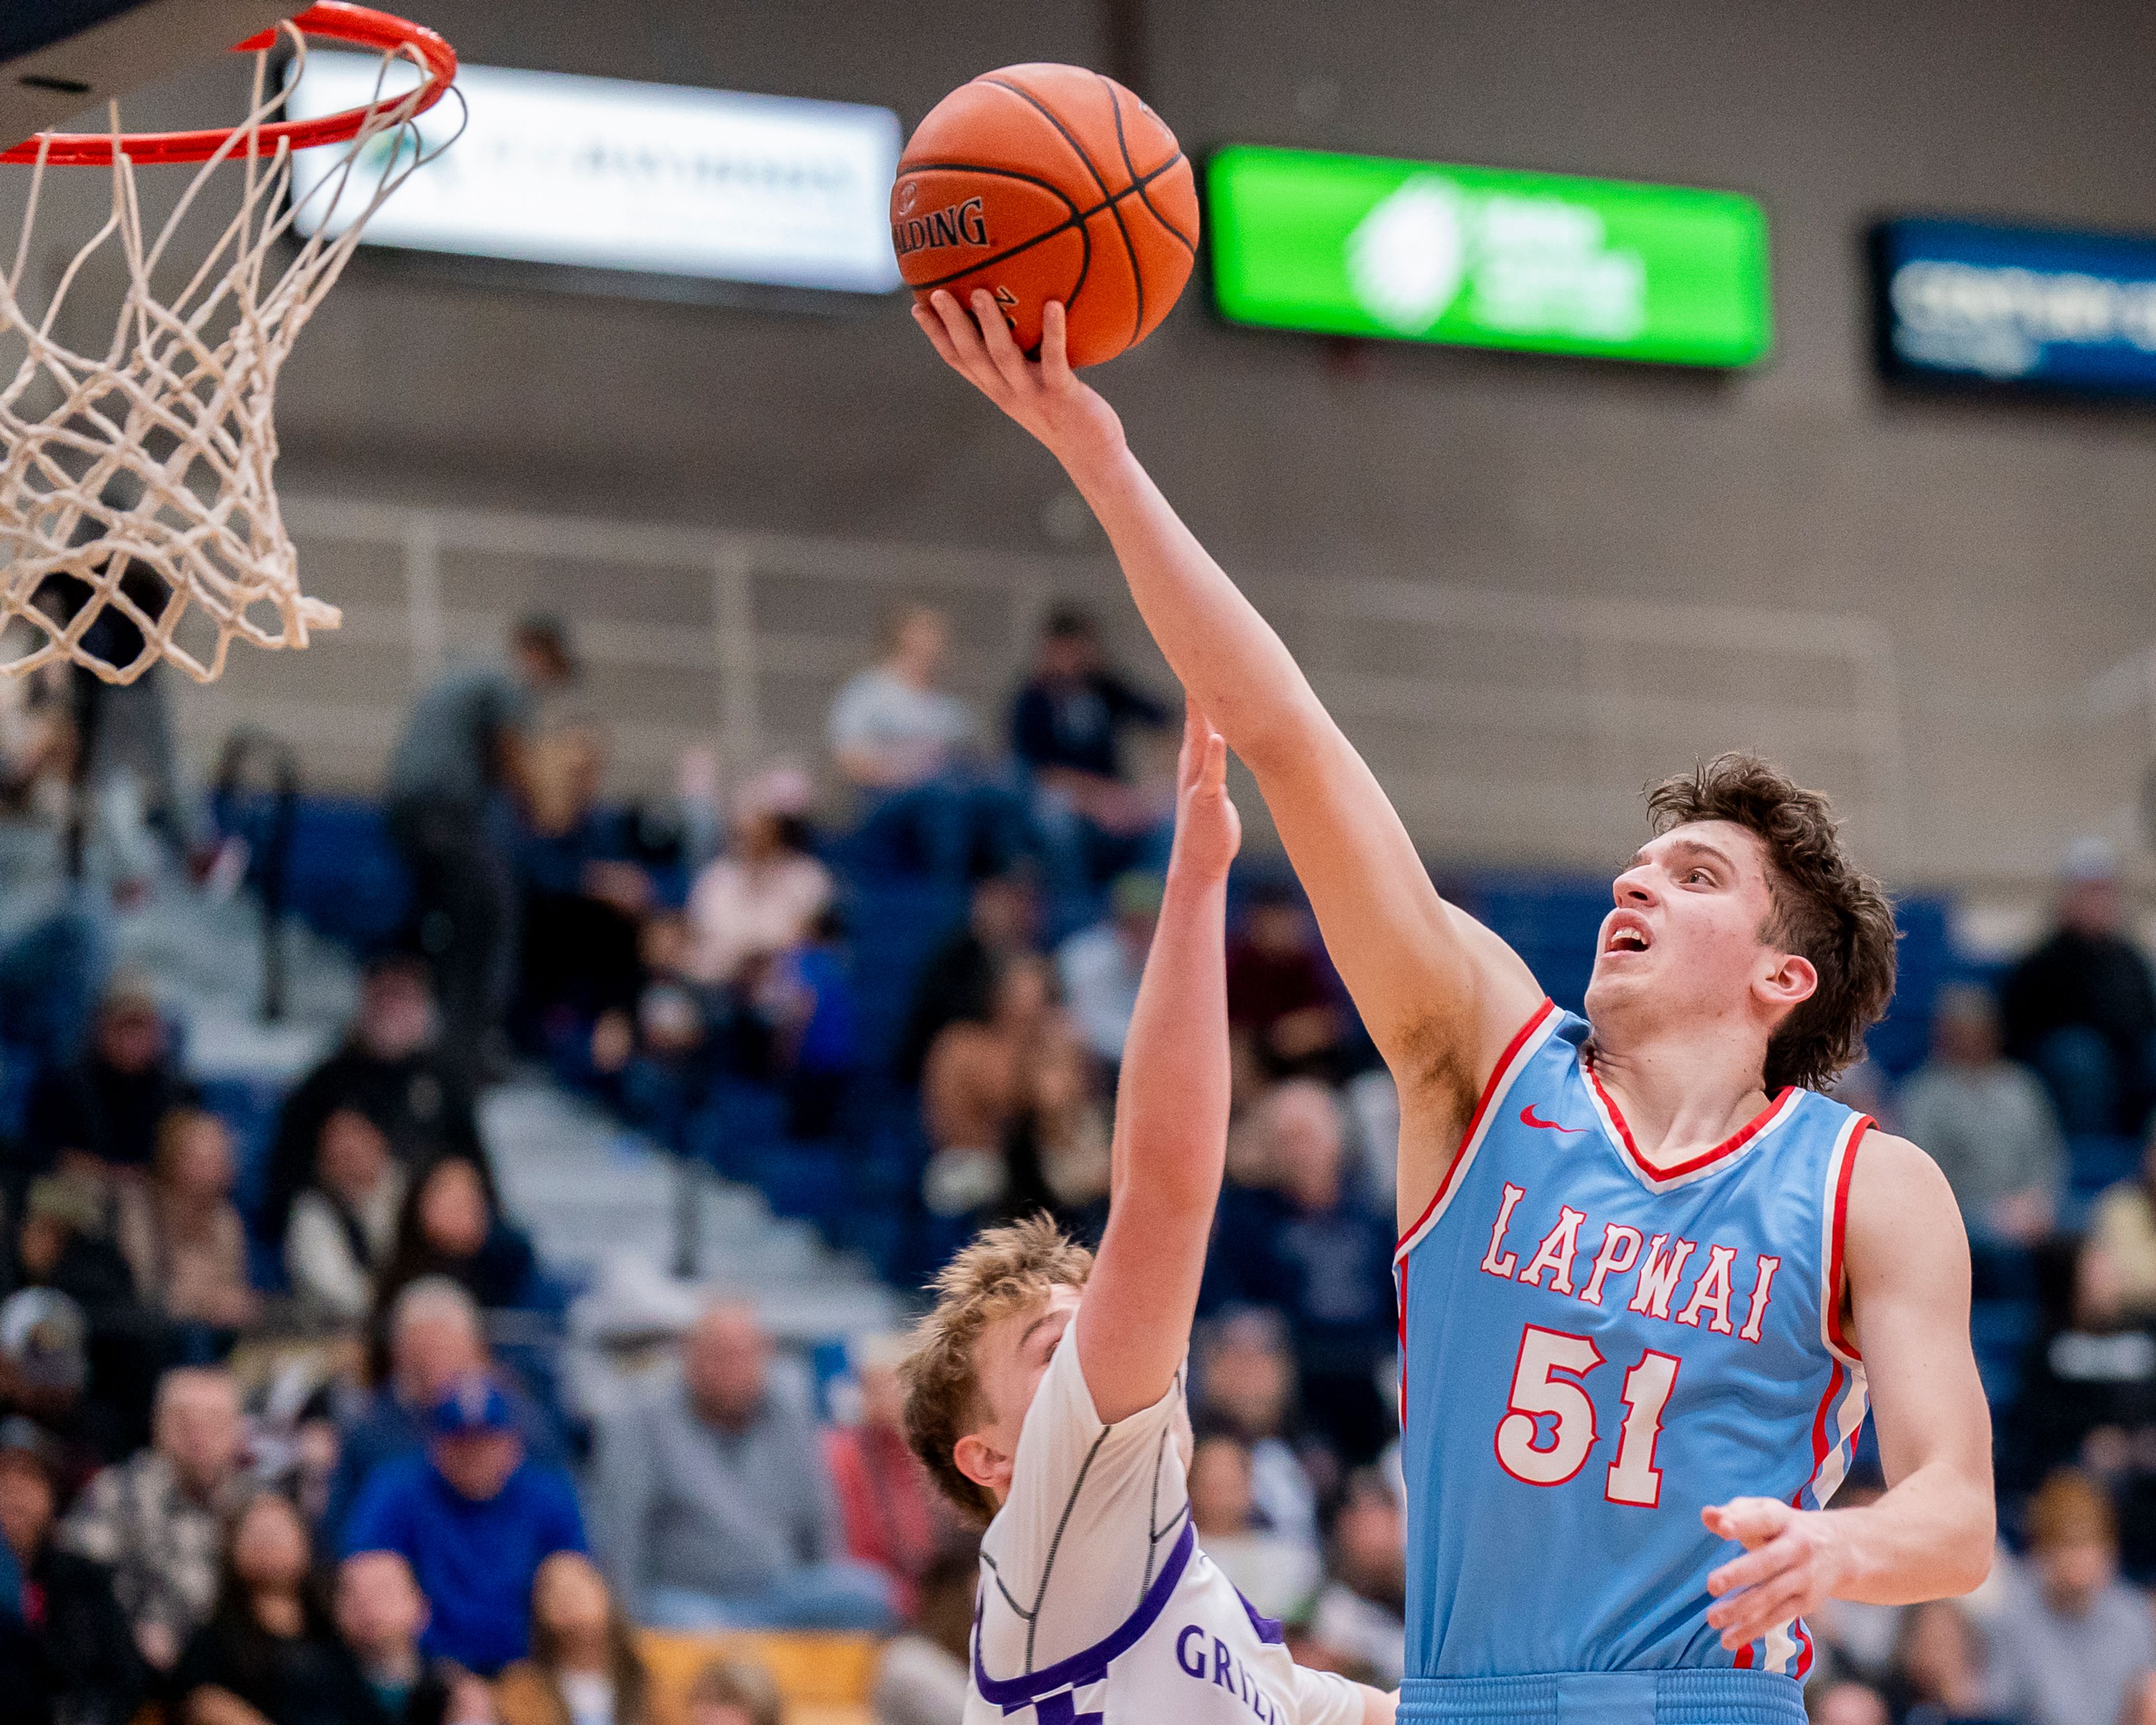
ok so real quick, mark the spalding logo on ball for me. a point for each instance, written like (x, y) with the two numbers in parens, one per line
(1044, 183)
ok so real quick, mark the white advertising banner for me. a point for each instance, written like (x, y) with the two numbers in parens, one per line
(601, 173)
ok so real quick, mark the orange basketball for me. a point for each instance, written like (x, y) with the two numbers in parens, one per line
(1044, 183)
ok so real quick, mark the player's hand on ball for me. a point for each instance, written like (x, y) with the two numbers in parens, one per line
(1045, 397)
(1208, 830)
(1792, 1560)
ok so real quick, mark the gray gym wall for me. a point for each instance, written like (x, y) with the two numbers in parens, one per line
(2003, 552)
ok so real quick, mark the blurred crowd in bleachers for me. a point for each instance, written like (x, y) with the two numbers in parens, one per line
(283, 1434)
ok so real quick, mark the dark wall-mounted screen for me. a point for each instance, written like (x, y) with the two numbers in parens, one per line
(2025, 307)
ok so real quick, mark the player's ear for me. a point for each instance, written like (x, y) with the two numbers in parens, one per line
(1792, 980)
(982, 1463)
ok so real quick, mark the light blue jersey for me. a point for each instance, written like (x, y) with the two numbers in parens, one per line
(1591, 1352)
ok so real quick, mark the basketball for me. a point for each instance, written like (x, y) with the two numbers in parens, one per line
(1042, 183)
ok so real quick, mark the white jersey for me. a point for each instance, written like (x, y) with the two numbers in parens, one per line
(1096, 1607)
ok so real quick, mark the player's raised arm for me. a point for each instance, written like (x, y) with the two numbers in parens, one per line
(1171, 1139)
(1931, 1535)
(1441, 994)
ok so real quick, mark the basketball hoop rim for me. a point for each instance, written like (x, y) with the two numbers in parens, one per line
(335, 20)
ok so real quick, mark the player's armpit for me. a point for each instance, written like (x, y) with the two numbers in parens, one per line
(1443, 1059)
(1906, 1262)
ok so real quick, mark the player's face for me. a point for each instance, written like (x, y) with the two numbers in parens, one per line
(1687, 931)
(1009, 1361)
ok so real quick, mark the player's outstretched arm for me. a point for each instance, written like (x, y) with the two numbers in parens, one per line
(1440, 994)
(1171, 1140)
(1930, 1536)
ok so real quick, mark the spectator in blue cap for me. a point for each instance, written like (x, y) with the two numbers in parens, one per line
(435, 1337)
(474, 1516)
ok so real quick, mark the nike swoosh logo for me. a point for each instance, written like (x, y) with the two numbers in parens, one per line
(1528, 1118)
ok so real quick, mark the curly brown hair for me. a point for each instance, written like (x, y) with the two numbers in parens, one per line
(1005, 1269)
(1826, 909)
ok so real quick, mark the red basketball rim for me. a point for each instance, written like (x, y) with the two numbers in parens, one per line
(335, 20)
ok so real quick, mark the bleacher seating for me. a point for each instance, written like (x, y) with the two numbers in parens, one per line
(825, 1678)
(345, 880)
(2095, 1161)
(861, 1190)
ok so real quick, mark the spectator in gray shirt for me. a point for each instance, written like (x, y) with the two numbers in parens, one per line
(711, 1504)
(1100, 965)
(1986, 1122)
(2073, 1648)
(462, 748)
(909, 748)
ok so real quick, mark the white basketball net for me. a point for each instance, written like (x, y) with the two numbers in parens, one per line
(157, 454)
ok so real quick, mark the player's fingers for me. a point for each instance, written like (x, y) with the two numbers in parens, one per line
(964, 337)
(1002, 347)
(1055, 346)
(1754, 1567)
(1750, 1520)
(1213, 777)
(1761, 1610)
(1751, 1616)
(1193, 742)
(1738, 1599)
(1205, 726)
(963, 342)
(938, 338)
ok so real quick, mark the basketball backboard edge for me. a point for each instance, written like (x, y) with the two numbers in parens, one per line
(61, 62)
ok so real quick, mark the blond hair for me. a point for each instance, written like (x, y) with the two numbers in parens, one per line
(1005, 1269)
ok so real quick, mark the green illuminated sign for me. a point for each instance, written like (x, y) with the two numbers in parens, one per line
(1359, 246)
